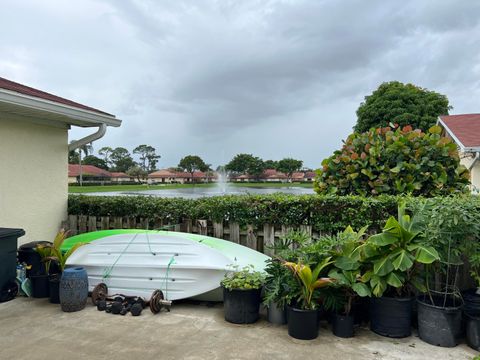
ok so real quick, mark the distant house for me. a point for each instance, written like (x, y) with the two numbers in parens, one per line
(34, 127)
(464, 130)
(169, 176)
(90, 173)
(272, 175)
(120, 177)
(94, 174)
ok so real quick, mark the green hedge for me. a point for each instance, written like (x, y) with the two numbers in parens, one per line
(324, 213)
(327, 214)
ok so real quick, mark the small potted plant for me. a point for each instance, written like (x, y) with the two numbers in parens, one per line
(59, 257)
(241, 295)
(303, 313)
(348, 283)
(278, 286)
(393, 257)
(40, 288)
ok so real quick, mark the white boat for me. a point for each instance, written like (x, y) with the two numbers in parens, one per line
(138, 263)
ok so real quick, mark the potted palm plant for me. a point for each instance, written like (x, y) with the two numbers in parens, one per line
(59, 257)
(393, 257)
(303, 313)
(241, 295)
(348, 284)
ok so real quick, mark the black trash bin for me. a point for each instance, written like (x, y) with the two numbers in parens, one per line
(8, 255)
(28, 255)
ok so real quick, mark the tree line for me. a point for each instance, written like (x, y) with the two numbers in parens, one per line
(119, 159)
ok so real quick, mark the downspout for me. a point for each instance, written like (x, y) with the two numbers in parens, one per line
(102, 129)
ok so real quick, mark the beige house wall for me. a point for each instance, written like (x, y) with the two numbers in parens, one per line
(33, 178)
(474, 172)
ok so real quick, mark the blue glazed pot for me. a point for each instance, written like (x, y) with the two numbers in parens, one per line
(73, 289)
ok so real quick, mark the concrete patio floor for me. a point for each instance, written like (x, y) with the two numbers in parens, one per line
(35, 329)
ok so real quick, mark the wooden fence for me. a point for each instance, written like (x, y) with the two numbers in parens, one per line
(258, 238)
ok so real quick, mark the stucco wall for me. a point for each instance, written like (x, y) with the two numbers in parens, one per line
(474, 173)
(33, 178)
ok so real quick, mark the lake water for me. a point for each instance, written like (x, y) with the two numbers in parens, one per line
(198, 192)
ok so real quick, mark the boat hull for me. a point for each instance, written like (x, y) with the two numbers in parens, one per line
(139, 263)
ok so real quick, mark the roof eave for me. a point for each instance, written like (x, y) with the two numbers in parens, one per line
(79, 117)
(454, 137)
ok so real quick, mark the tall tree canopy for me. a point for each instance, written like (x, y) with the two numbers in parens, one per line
(402, 104)
(106, 151)
(394, 161)
(121, 159)
(246, 164)
(95, 161)
(271, 164)
(148, 157)
(138, 173)
(288, 166)
(192, 163)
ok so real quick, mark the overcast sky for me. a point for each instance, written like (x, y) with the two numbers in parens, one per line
(216, 78)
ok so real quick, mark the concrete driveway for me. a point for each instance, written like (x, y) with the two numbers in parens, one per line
(35, 329)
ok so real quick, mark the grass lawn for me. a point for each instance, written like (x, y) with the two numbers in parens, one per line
(108, 188)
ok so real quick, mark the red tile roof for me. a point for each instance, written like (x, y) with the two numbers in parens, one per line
(29, 91)
(166, 173)
(465, 127)
(74, 171)
(119, 175)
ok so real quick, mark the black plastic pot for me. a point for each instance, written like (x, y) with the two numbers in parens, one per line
(276, 314)
(54, 288)
(302, 324)
(472, 327)
(241, 306)
(28, 255)
(40, 286)
(391, 317)
(438, 324)
(471, 302)
(360, 310)
(342, 325)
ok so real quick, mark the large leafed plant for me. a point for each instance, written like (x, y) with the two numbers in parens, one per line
(394, 161)
(393, 256)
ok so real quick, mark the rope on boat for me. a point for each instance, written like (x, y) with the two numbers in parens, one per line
(108, 271)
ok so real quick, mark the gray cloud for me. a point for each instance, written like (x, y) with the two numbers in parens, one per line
(276, 78)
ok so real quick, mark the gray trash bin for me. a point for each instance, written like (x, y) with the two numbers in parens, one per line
(8, 254)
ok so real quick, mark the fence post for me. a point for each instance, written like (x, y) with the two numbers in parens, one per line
(82, 224)
(92, 223)
(234, 232)
(268, 239)
(251, 238)
(218, 230)
(202, 227)
(118, 222)
(105, 223)
(73, 224)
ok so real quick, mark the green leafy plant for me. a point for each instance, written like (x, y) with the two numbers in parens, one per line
(56, 253)
(393, 255)
(245, 279)
(347, 271)
(45, 252)
(280, 285)
(404, 104)
(394, 161)
(309, 281)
